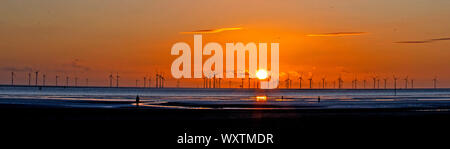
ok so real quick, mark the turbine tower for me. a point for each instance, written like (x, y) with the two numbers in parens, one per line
(395, 85)
(288, 81)
(29, 79)
(117, 79)
(434, 82)
(374, 81)
(310, 82)
(37, 73)
(110, 80)
(364, 83)
(56, 80)
(157, 80)
(300, 80)
(12, 78)
(378, 83)
(323, 82)
(406, 82)
(137, 82)
(340, 81)
(162, 80)
(43, 80)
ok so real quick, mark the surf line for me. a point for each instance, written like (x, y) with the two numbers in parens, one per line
(194, 139)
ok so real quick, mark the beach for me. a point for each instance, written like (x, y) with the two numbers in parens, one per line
(292, 115)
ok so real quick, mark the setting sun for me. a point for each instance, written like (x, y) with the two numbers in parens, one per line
(261, 74)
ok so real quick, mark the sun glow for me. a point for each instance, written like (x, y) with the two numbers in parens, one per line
(261, 74)
(261, 98)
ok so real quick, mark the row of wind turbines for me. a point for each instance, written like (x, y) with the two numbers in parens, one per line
(159, 80)
(409, 82)
(44, 77)
(214, 82)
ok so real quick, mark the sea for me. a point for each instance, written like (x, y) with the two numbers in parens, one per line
(225, 98)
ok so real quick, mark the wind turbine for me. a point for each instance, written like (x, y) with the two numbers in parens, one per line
(406, 82)
(12, 78)
(412, 83)
(378, 83)
(110, 80)
(287, 81)
(395, 85)
(29, 79)
(374, 81)
(323, 82)
(162, 80)
(37, 73)
(56, 80)
(157, 80)
(434, 82)
(310, 82)
(137, 82)
(356, 81)
(385, 83)
(242, 84)
(117, 79)
(300, 80)
(364, 83)
(340, 81)
(43, 80)
(353, 83)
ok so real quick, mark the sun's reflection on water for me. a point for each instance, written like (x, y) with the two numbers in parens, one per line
(261, 98)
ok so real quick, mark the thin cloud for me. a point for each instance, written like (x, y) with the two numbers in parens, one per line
(336, 34)
(440, 39)
(423, 41)
(211, 31)
(22, 69)
(76, 64)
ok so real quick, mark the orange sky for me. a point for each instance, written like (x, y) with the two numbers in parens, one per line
(91, 39)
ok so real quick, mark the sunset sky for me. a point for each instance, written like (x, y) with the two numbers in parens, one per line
(322, 38)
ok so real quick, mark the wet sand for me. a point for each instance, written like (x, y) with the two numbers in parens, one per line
(109, 121)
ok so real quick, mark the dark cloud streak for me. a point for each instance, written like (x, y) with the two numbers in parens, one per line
(17, 69)
(423, 41)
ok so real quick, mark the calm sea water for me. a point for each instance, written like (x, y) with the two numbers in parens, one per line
(193, 98)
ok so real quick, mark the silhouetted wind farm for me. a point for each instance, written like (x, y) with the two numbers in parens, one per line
(212, 81)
